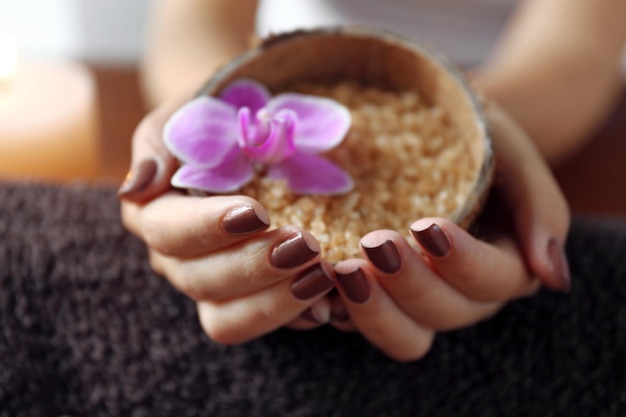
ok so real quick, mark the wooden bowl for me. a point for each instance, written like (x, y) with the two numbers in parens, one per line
(372, 57)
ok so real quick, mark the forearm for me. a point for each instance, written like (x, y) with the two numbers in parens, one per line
(188, 40)
(557, 70)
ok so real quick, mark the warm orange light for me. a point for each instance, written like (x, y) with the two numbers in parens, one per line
(8, 57)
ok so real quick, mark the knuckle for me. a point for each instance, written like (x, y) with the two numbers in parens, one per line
(252, 265)
(249, 270)
(223, 335)
(196, 283)
(129, 218)
(473, 314)
(449, 322)
(155, 263)
(416, 352)
(153, 235)
(499, 292)
(182, 280)
(147, 128)
(269, 313)
(220, 333)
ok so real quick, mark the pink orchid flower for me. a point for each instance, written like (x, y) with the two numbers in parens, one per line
(221, 142)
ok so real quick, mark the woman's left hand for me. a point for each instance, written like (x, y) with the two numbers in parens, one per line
(398, 298)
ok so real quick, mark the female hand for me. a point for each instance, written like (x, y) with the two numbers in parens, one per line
(400, 297)
(245, 280)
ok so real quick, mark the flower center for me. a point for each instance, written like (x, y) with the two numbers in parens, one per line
(268, 139)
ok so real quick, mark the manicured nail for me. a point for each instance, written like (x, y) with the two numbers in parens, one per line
(312, 282)
(559, 264)
(433, 240)
(293, 251)
(355, 286)
(242, 220)
(386, 257)
(138, 178)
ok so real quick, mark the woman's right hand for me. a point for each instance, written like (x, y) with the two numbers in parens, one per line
(246, 280)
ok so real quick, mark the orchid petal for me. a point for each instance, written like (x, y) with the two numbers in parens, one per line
(202, 132)
(322, 122)
(234, 172)
(246, 93)
(311, 174)
(276, 144)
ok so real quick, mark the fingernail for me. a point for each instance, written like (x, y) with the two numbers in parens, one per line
(138, 178)
(293, 251)
(312, 282)
(559, 264)
(242, 220)
(433, 240)
(386, 257)
(354, 286)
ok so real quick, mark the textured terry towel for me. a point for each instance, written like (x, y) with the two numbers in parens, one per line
(87, 330)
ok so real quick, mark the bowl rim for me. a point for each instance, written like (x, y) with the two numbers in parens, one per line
(464, 215)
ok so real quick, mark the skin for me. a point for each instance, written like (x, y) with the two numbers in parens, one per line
(241, 296)
(557, 70)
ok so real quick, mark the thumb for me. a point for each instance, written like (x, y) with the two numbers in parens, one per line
(152, 165)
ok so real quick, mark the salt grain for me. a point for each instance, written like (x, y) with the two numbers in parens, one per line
(407, 161)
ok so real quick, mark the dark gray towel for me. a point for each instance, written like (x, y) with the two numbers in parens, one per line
(87, 330)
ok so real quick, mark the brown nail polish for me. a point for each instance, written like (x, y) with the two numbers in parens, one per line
(138, 179)
(559, 264)
(355, 286)
(312, 282)
(433, 240)
(242, 220)
(386, 257)
(291, 252)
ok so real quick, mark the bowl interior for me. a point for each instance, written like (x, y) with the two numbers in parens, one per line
(369, 58)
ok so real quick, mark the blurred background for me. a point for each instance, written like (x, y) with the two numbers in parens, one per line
(101, 31)
(70, 98)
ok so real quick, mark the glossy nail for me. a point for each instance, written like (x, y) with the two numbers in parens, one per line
(433, 240)
(314, 281)
(559, 265)
(293, 251)
(355, 286)
(138, 179)
(242, 220)
(385, 257)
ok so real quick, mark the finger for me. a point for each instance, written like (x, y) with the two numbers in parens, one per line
(541, 213)
(339, 317)
(377, 316)
(242, 319)
(479, 270)
(416, 288)
(242, 269)
(315, 316)
(152, 166)
(185, 226)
